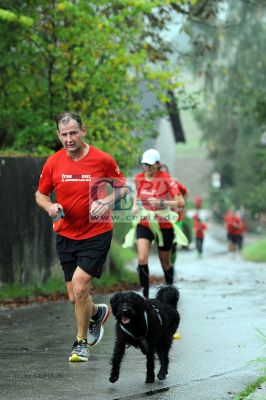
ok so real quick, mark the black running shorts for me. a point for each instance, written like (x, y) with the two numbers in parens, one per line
(143, 232)
(88, 254)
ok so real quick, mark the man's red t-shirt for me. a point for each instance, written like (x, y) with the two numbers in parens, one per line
(162, 187)
(76, 185)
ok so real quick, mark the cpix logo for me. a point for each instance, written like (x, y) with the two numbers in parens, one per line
(122, 202)
(26, 376)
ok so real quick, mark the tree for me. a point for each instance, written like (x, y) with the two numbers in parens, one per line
(87, 56)
(229, 52)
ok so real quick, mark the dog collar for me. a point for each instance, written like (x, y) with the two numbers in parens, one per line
(158, 314)
(140, 338)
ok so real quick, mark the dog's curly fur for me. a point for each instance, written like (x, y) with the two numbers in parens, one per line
(153, 337)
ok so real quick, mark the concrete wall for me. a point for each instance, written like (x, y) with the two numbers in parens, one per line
(27, 251)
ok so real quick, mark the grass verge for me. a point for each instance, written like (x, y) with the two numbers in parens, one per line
(255, 251)
(52, 286)
(250, 388)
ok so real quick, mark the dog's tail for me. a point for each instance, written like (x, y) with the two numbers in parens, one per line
(169, 295)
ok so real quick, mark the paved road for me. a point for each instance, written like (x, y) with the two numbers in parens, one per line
(222, 305)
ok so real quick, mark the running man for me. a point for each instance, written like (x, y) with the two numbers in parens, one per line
(78, 174)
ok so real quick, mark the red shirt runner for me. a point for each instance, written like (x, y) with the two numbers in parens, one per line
(200, 228)
(162, 187)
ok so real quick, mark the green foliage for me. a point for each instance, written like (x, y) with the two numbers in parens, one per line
(255, 251)
(94, 57)
(251, 388)
(120, 230)
(228, 51)
(221, 200)
(257, 384)
(187, 228)
(8, 16)
(262, 359)
(120, 256)
(52, 286)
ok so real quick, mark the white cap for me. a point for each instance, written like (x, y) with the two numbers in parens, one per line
(150, 156)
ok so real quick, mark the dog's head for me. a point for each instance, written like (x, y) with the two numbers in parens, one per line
(127, 307)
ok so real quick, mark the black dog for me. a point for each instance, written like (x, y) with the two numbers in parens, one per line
(145, 324)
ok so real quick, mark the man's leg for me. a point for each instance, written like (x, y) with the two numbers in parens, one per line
(70, 292)
(89, 317)
(82, 301)
(78, 291)
(72, 297)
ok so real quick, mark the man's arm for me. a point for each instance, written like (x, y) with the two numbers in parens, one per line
(44, 201)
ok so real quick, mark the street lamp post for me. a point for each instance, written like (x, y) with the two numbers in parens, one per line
(216, 180)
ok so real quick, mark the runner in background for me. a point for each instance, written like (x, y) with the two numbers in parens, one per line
(237, 228)
(156, 193)
(229, 215)
(184, 192)
(199, 229)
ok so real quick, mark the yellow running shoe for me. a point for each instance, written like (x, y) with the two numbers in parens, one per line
(176, 336)
(80, 351)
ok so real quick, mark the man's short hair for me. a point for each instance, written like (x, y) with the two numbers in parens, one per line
(65, 116)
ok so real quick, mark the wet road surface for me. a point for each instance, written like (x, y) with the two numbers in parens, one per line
(222, 305)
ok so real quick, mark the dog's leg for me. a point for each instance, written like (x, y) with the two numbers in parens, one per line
(163, 352)
(150, 367)
(119, 351)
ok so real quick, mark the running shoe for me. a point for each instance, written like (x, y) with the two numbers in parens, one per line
(80, 351)
(96, 330)
(176, 336)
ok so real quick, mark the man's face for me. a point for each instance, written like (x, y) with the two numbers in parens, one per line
(71, 136)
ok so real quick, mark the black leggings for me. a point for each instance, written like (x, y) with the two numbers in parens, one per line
(143, 232)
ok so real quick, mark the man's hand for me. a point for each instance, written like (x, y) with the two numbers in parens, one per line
(54, 209)
(98, 208)
(44, 201)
